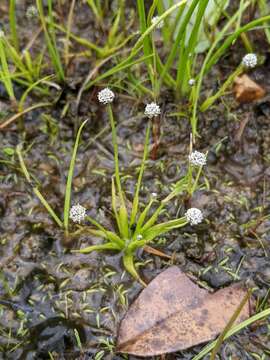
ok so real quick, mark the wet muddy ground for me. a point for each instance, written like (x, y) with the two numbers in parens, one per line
(48, 295)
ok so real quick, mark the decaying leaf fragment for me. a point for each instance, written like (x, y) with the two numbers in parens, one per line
(173, 314)
(247, 90)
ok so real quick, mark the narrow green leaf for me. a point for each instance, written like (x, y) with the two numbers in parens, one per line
(162, 228)
(142, 218)
(123, 220)
(13, 24)
(101, 247)
(153, 218)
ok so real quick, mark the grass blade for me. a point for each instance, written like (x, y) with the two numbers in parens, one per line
(12, 23)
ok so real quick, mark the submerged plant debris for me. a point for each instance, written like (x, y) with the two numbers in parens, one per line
(55, 58)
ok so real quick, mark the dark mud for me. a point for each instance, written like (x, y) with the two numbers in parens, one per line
(48, 295)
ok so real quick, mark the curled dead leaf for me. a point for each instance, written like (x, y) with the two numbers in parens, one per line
(173, 314)
(247, 90)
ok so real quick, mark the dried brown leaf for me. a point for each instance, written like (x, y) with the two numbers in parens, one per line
(173, 314)
(247, 90)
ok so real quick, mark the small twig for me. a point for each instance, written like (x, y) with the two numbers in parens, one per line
(31, 42)
(241, 129)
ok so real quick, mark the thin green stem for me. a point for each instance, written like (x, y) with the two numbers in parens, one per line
(138, 185)
(193, 187)
(70, 176)
(116, 156)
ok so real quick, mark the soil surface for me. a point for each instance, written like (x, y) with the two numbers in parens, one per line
(48, 294)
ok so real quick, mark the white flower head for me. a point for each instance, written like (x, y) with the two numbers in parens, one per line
(77, 213)
(155, 20)
(250, 60)
(31, 12)
(191, 82)
(152, 110)
(197, 158)
(139, 237)
(106, 96)
(194, 216)
(154, 194)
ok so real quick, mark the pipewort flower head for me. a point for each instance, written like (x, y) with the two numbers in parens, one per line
(31, 12)
(194, 216)
(152, 110)
(197, 158)
(106, 96)
(191, 82)
(155, 20)
(250, 60)
(77, 213)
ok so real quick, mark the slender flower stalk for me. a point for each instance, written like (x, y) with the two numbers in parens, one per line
(116, 156)
(106, 97)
